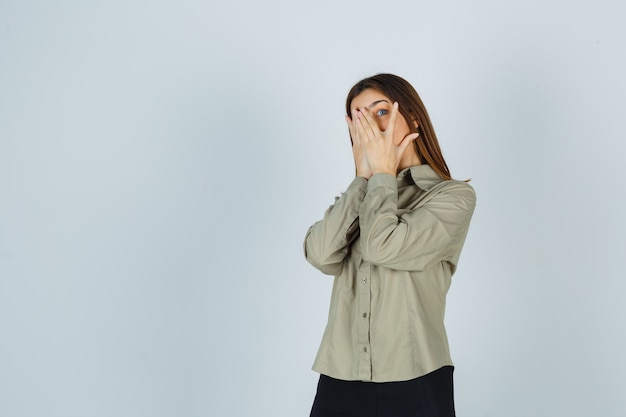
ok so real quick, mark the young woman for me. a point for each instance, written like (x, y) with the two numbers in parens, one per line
(392, 241)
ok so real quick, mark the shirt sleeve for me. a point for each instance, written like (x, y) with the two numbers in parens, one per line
(327, 241)
(415, 240)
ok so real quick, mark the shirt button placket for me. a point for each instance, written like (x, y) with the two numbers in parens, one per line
(364, 326)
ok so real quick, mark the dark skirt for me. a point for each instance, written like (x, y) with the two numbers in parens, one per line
(431, 395)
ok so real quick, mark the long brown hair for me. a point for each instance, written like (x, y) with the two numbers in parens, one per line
(412, 109)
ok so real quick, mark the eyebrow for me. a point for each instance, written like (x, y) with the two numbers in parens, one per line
(376, 102)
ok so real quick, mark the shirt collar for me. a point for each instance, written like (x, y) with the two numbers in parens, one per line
(423, 176)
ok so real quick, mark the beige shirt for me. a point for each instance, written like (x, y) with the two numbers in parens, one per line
(392, 245)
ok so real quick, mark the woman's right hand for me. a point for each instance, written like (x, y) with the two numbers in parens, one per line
(361, 164)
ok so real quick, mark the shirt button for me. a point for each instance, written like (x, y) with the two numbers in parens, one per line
(364, 315)
(365, 349)
(364, 280)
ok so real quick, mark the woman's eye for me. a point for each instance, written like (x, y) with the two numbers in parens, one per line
(381, 112)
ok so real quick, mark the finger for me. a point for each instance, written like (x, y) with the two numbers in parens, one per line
(350, 129)
(391, 127)
(361, 131)
(357, 134)
(406, 141)
(369, 125)
(355, 130)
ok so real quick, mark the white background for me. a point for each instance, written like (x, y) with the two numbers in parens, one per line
(160, 162)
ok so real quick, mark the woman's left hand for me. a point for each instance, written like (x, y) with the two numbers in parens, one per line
(382, 153)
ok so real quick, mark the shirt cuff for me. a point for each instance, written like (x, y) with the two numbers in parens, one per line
(382, 180)
(357, 186)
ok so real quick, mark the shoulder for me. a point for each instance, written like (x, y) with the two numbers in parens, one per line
(458, 193)
(460, 186)
(452, 187)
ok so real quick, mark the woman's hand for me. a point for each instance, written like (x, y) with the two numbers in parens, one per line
(382, 154)
(358, 151)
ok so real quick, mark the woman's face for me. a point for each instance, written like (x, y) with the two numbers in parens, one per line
(379, 106)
